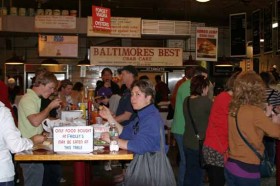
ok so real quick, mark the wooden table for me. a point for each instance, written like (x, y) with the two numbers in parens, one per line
(81, 168)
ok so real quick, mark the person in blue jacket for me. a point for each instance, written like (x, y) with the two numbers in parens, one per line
(142, 134)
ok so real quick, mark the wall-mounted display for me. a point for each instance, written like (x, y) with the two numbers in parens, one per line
(238, 41)
(256, 29)
(58, 46)
(267, 29)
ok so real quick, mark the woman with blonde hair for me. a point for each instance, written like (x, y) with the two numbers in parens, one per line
(247, 117)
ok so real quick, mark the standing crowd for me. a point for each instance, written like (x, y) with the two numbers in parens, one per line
(223, 138)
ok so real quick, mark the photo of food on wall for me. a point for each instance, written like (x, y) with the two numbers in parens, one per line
(206, 48)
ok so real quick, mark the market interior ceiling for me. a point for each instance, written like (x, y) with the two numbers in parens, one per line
(213, 13)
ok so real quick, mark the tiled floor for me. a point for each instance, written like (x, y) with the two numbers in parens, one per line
(100, 177)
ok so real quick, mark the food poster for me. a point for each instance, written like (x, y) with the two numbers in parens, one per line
(206, 44)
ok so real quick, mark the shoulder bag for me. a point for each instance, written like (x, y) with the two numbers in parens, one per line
(265, 166)
(200, 141)
(150, 169)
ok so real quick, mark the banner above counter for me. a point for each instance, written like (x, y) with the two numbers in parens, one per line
(126, 27)
(137, 56)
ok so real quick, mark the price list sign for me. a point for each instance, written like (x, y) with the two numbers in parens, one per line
(238, 35)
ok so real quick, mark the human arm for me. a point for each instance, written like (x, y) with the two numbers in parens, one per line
(11, 135)
(37, 118)
(121, 142)
(106, 114)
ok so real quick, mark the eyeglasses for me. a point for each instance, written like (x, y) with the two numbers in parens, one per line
(136, 128)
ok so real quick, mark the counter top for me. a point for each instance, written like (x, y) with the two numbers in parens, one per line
(47, 155)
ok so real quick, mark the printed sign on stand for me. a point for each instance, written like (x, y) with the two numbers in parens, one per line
(77, 139)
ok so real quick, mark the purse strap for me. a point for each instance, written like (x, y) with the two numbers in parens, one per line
(192, 121)
(162, 149)
(267, 100)
(244, 139)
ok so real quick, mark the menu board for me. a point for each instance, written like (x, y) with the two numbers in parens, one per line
(267, 29)
(58, 46)
(238, 35)
(278, 30)
(256, 15)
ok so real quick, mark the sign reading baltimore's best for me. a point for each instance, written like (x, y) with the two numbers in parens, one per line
(138, 56)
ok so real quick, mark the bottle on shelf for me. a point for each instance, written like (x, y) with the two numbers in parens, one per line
(114, 136)
(89, 110)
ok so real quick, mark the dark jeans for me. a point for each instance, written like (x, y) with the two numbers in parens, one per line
(233, 180)
(9, 183)
(194, 173)
(52, 174)
(216, 175)
(182, 165)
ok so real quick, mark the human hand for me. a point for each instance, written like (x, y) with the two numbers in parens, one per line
(55, 103)
(38, 139)
(105, 136)
(268, 110)
(105, 113)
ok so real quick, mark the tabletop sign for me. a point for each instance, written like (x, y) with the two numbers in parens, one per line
(78, 139)
(55, 22)
(238, 33)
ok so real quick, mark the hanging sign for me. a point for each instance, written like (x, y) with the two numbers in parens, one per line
(125, 27)
(137, 56)
(101, 18)
(256, 15)
(238, 41)
(55, 22)
(206, 43)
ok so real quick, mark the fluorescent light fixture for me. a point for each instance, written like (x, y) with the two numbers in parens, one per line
(261, 40)
(202, 1)
(274, 25)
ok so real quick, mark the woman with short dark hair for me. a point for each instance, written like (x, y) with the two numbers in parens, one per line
(198, 105)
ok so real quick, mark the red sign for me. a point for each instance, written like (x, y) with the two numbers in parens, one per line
(101, 18)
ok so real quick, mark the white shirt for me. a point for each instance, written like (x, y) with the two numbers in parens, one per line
(10, 141)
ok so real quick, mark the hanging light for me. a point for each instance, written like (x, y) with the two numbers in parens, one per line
(84, 62)
(224, 62)
(49, 61)
(202, 1)
(15, 60)
(190, 61)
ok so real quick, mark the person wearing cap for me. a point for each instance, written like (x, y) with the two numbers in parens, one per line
(125, 112)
